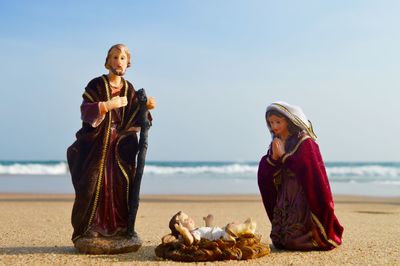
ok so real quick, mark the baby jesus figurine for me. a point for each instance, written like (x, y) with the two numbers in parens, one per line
(182, 225)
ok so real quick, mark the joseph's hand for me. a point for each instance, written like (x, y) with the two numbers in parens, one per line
(116, 102)
(151, 103)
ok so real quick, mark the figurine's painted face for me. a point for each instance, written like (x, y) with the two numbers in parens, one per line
(279, 125)
(118, 62)
(186, 221)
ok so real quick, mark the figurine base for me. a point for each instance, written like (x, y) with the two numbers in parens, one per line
(107, 245)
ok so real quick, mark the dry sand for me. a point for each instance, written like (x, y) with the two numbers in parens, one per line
(36, 230)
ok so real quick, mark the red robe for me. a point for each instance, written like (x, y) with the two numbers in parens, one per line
(305, 162)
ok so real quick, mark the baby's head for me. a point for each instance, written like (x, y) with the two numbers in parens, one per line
(183, 219)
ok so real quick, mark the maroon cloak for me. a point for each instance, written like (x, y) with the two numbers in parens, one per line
(304, 162)
(102, 161)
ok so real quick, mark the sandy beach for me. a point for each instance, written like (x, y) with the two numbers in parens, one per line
(36, 230)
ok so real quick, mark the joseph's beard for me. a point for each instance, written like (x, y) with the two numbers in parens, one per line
(117, 72)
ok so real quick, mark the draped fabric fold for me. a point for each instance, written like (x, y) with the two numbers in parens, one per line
(295, 188)
(306, 165)
(102, 161)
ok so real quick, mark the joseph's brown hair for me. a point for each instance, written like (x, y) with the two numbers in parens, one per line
(122, 48)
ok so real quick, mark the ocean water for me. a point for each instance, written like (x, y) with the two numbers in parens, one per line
(346, 178)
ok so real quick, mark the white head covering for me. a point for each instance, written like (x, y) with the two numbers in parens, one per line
(294, 114)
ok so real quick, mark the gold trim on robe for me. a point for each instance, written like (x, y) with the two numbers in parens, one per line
(295, 148)
(125, 94)
(269, 161)
(103, 156)
(132, 117)
(88, 96)
(127, 180)
(322, 230)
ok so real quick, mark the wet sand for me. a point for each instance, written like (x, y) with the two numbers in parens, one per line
(36, 230)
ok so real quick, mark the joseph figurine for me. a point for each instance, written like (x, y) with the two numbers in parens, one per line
(102, 160)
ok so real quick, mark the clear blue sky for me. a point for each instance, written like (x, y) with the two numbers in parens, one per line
(213, 67)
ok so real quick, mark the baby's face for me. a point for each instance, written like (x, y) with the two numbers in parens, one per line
(186, 221)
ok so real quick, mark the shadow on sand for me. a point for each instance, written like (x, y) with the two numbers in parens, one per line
(145, 253)
(38, 250)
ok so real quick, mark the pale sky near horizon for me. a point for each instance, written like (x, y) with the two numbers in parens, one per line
(213, 67)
